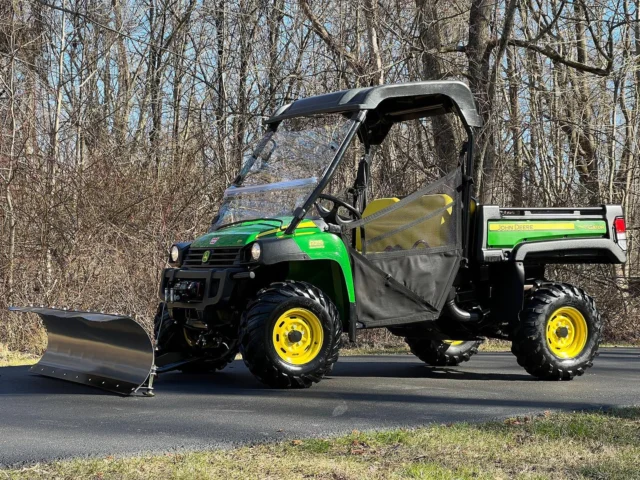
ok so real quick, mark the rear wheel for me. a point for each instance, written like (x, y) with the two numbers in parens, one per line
(290, 335)
(558, 333)
(442, 353)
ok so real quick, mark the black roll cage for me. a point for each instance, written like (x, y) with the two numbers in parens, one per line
(361, 128)
(373, 111)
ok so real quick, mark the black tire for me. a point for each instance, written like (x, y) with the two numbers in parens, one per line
(530, 344)
(174, 340)
(258, 322)
(442, 354)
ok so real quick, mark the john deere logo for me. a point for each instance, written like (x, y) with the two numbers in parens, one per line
(205, 257)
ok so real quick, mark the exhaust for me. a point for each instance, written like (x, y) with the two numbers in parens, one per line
(111, 352)
(463, 316)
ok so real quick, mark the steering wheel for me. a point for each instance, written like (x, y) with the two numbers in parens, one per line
(331, 215)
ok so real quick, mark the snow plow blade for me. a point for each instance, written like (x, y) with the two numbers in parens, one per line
(111, 352)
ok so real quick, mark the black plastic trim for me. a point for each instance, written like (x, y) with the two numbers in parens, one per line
(222, 293)
(353, 322)
(507, 296)
(276, 250)
(585, 248)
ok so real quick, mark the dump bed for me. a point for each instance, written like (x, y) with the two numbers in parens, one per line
(550, 235)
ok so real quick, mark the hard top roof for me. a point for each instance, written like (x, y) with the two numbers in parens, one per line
(395, 102)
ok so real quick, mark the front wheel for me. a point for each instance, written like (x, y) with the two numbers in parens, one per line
(558, 333)
(290, 335)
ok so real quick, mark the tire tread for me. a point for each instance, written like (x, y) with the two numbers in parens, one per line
(433, 352)
(254, 321)
(528, 337)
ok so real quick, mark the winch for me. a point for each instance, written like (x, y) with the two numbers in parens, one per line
(184, 291)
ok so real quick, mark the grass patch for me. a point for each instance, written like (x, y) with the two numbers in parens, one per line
(584, 445)
(9, 358)
(620, 345)
(490, 345)
(350, 351)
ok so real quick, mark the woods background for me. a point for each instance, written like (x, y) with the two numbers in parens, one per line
(122, 122)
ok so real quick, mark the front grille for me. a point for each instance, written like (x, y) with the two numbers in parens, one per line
(218, 257)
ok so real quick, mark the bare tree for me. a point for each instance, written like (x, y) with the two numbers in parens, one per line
(122, 123)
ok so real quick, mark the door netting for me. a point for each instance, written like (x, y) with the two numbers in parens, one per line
(407, 254)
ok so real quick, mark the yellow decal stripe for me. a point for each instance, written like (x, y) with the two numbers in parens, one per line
(304, 224)
(529, 226)
(268, 232)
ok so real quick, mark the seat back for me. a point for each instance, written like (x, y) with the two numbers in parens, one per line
(410, 231)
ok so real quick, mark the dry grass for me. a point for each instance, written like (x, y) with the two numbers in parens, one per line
(9, 358)
(596, 445)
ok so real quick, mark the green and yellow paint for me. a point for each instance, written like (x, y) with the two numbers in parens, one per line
(509, 233)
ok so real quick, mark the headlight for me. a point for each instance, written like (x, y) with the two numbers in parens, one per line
(256, 250)
(174, 254)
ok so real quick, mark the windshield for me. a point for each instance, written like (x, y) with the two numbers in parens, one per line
(283, 169)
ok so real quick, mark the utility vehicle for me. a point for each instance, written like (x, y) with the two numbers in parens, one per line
(288, 264)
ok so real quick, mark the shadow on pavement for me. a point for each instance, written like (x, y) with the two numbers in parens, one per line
(402, 370)
(236, 380)
(19, 381)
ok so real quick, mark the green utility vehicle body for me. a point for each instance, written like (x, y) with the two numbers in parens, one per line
(289, 264)
(309, 242)
(444, 279)
(504, 236)
(503, 231)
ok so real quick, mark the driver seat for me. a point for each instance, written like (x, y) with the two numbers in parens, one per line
(430, 233)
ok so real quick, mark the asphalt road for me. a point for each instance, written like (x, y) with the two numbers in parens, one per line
(44, 419)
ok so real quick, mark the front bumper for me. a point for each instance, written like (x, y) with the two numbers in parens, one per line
(216, 286)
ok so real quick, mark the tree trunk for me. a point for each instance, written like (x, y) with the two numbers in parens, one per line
(446, 133)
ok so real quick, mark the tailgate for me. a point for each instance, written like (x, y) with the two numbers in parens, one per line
(550, 235)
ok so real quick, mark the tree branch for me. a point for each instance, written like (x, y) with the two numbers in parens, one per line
(336, 48)
(556, 57)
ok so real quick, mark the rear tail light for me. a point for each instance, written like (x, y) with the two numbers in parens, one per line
(620, 228)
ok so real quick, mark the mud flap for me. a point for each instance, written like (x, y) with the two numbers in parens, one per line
(111, 352)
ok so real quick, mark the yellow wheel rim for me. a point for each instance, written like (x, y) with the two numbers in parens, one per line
(567, 332)
(298, 336)
(454, 343)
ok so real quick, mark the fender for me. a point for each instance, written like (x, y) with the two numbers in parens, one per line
(319, 258)
(507, 298)
(597, 250)
(310, 246)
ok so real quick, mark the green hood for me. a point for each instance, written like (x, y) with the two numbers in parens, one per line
(246, 232)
